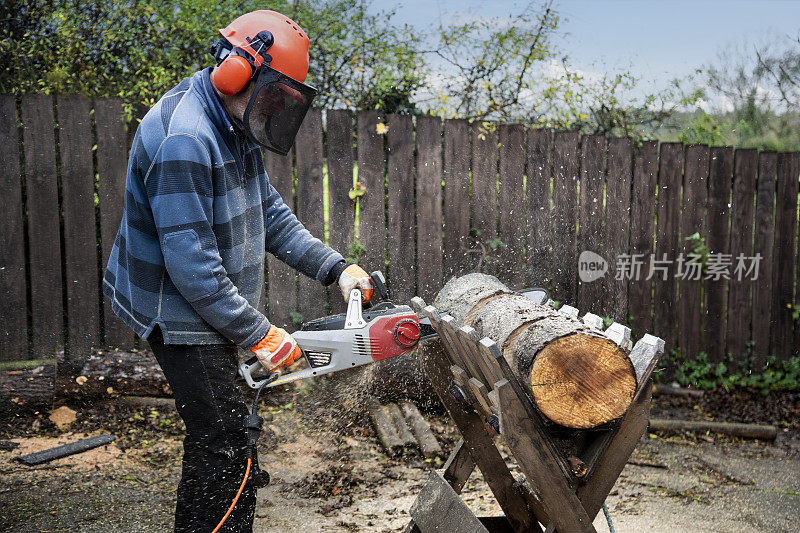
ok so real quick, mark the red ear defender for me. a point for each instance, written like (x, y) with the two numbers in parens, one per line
(232, 75)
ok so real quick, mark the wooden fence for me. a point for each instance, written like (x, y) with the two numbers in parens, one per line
(431, 187)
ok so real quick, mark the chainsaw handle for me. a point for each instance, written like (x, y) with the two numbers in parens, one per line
(379, 282)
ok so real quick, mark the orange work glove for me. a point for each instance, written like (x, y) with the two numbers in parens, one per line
(354, 277)
(277, 348)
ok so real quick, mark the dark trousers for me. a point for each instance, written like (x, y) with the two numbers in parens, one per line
(214, 450)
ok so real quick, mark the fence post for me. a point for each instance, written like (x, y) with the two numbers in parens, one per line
(764, 245)
(429, 206)
(511, 200)
(593, 170)
(44, 238)
(566, 159)
(719, 192)
(537, 208)
(783, 286)
(617, 225)
(456, 197)
(282, 279)
(13, 312)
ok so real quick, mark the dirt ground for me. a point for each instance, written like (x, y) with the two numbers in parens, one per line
(329, 473)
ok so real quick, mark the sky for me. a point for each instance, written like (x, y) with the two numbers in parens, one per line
(656, 41)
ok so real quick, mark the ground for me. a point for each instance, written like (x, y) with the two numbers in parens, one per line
(329, 473)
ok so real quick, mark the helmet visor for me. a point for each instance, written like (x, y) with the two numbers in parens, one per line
(276, 109)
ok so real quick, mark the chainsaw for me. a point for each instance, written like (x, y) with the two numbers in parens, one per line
(357, 337)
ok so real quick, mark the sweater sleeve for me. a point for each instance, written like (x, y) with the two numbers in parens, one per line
(179, 188)
(290, 241)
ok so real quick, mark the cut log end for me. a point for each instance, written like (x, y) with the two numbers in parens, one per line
(582, 381)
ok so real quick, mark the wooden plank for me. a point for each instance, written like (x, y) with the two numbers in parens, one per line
(456, 198)
(44, 241)
(371, 160)
(763, 246)
(281, 278)
(310, 211)
(402, 269)
(561, 504)
(617, 225)
(594, 492)
(459, 466)
(784, 256)
(670, 176)
(640, 297)
(484, 188)
(537, 208)
(438, 508)
(13, 312)
(341, 209)
(739, 291)
(112, 161)
(718, 241)
(593, 167)
(565, 199)
(429, 206)
(80, 237)
(512, 498)
(511, 201)
(690, 284)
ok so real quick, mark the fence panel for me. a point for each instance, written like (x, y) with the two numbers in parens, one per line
(80, 237)
(14, 311)
(784, 253)
(739, 292)
(565, 200)
(429, 206)
(640, 287)
(456, 197)
(484, 187)
(310, 211)
(112, 151)
(764, 245)
(670, 174)
(282, 280)
(590, 230)
(537, 208)
(617, 225)
(341, 209)
(524, 189)
(371, 160)
(402, 267)
(718, 240)
(44, 237)
(512, 198)
(690, 283)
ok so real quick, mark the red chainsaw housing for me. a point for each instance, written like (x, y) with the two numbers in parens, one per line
(393, 335)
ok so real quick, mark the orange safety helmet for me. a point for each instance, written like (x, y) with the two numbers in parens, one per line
(271, 50)
(287, 46)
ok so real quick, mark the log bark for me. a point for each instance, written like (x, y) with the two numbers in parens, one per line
(110, 373)
(383, 427)
(747, 431)
(578, 377)
(428, 444)
(32, 387)
(403, 431)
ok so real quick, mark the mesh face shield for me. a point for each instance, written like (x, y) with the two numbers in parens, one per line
(276, 109)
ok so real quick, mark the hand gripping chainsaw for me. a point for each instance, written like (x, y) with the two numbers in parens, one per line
(347, 340)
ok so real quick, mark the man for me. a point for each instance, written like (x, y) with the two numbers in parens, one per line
(187, 265)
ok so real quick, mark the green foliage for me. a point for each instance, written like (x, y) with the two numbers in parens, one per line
(138, 49)
(702, 129)
(699, 248)
(296, 318)
(729, 374)
(486, 249)
(355, 251)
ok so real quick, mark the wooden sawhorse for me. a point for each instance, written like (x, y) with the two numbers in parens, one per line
(561, 489)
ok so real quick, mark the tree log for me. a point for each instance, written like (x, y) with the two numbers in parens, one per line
(110, 372)
(578, 377)
(32, 387)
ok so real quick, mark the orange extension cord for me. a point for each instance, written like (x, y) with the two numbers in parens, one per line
(236, 499)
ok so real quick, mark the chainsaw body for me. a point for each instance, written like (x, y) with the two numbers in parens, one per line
(346, 340)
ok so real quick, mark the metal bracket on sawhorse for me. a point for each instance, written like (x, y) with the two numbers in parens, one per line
(483, 397)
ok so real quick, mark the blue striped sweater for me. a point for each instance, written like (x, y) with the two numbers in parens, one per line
(199, 216)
